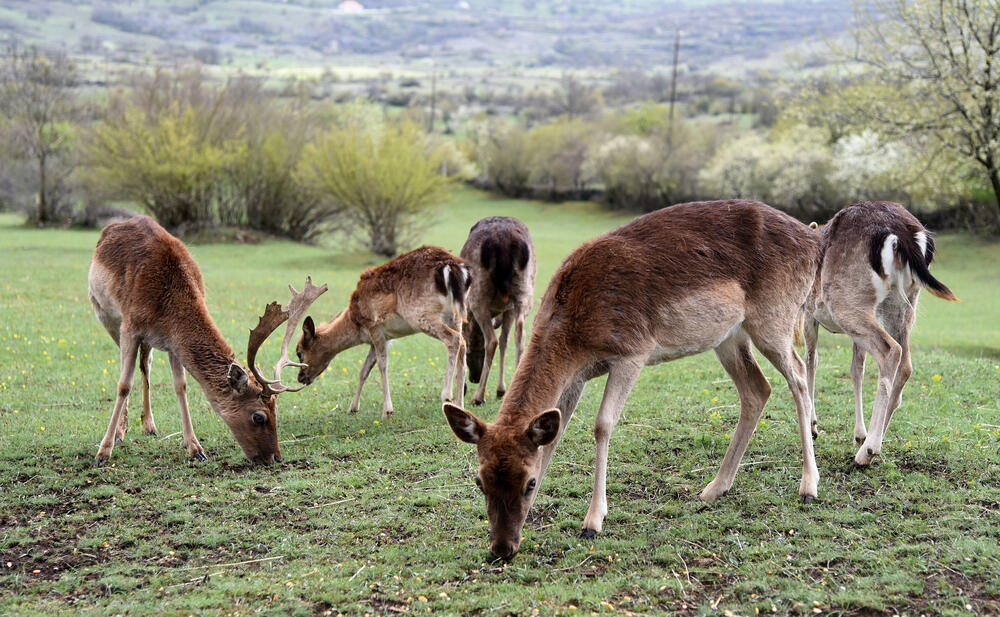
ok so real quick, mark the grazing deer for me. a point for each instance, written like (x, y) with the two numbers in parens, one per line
(421, 291)
(148, 293)
(874, 261)
(502, 259)
(672, 283)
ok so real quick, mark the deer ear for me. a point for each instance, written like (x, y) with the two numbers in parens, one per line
(814, 225)
(545, 427)
(238, 379)
(466, 426)
(308, 331)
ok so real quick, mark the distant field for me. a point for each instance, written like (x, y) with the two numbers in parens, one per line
(372, 517)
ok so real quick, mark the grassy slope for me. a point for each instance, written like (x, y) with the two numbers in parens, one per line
(369, 516)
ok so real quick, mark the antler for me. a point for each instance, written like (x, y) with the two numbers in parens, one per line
(273, 317)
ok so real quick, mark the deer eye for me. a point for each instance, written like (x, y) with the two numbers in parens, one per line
(298, 352)
(531, 486)
(479, 482)
(259, 418)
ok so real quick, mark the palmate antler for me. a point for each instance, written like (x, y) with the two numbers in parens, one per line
(273, 317)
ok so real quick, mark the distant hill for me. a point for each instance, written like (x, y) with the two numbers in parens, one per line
(530, 35)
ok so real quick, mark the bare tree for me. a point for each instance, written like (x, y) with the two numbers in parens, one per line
(573, 97)
(37, 98)
(933, 68)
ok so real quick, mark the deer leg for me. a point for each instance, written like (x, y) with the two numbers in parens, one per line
(899, 322)
(871, 338)
(566, 405)
(779, 349)
(754, 390)
(857, 380)
(508, 321)
(180, 389)
(485, 322)
(381, 348)
(129, 348)
(519, 334)
(621, 377)
(452, 339)
(811, 336)
(145, 362)
(366, 369)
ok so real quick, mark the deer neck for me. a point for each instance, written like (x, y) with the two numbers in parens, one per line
(206, 355)
(545, 370)
(340, 334)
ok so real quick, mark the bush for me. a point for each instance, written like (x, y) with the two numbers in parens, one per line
(380, 175)
(506, 159)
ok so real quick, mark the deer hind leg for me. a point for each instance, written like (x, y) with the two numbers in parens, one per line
(366, 369)
(452, 339)
(508, 321)
(898, 320)
(129, 348)
(621, 377)
(754, 390)
(857, 380)
(779, 348)
(180, 389)
(811, 336)
(485, 323)
(381, 348)
(145, 363)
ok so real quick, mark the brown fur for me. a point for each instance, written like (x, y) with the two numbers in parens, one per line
(409, 294)
(856, 294)
(685, 279)
(502, 258)
(148, 292)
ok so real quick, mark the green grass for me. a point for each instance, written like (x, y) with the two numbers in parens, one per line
(368, 516)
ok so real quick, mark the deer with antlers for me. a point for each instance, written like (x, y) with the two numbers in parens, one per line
(875, 258)
(421, 291)
(148, 293)
(682, 280)
(502, 258)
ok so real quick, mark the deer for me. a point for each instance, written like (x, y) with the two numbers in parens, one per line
(148, 293)
(875, 257)
(675, 282)
(502, 259)
(421, 291)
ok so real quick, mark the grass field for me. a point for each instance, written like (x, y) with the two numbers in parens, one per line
(373, 517)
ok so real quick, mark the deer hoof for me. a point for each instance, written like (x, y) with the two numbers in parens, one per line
(153, 433)
(118, 440)
(477, 402)
(200, 456)
(808, 498)
(100, 461)
(500, 393)
(588, 534)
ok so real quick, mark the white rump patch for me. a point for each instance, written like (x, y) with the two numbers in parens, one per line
(921, 238)
(889, 255)
(447, 276)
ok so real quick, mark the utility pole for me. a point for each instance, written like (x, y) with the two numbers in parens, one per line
(673, 88)
(430, 119)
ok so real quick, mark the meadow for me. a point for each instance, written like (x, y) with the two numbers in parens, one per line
(367, 516)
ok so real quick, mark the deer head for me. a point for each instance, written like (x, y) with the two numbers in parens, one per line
(510, 459)
(256, 431)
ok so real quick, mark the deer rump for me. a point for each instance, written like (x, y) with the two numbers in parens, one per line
(502, 260)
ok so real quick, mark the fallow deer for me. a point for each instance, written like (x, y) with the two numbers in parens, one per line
(421, 291)
(148, 293)
(502, 259)
(874, 261)
(672, 283)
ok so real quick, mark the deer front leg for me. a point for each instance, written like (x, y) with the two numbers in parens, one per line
(621, 377)
(381, 348)
(811, 336)
(145, 362)
(780, 351)
(754, 390)
(129, 348)
(366, 369)
(191, 442)
(508, 321)
(857, 380)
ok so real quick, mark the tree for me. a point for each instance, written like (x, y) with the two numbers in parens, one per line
(573, 98)
(38, 100)
(381, 175)
(932, 67)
